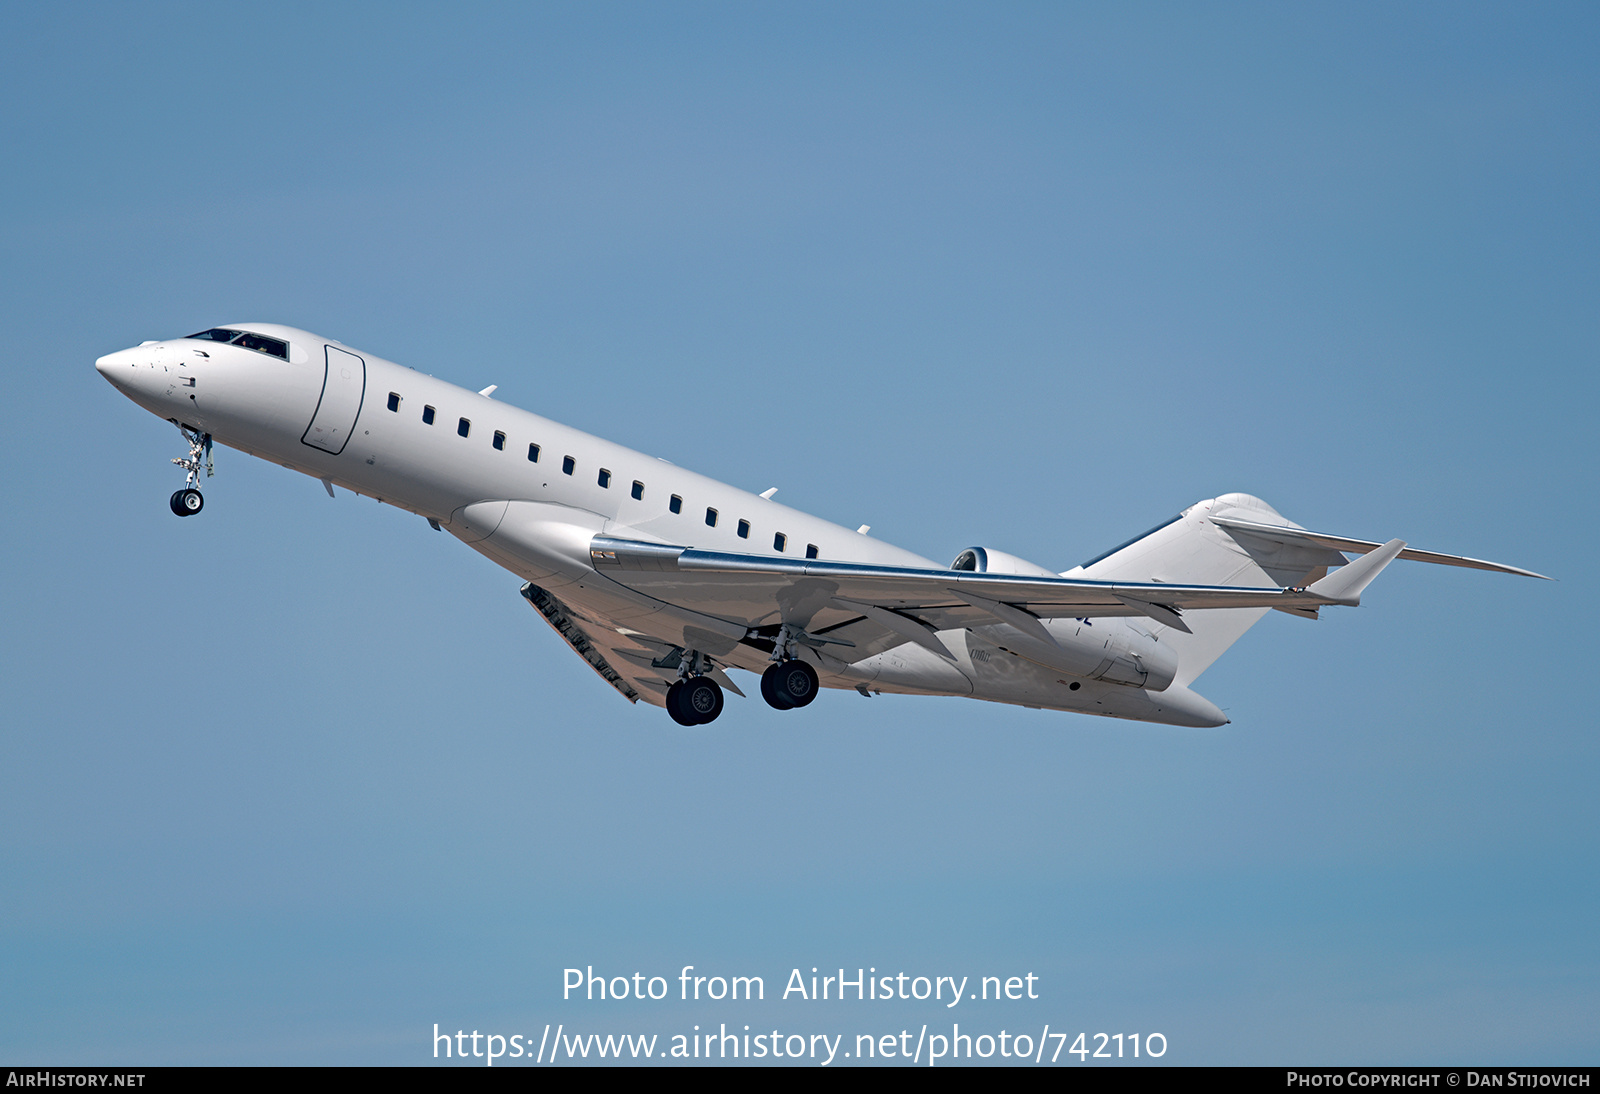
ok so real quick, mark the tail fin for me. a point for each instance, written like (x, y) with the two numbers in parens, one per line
(1191, 549)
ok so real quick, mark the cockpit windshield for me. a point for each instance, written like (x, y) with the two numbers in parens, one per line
(259, 343)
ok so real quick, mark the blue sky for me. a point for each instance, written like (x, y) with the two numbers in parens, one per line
(295, 780)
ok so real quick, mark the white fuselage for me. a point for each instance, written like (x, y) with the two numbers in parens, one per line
(530, 493)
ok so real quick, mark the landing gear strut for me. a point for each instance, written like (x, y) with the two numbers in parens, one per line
(187, 502)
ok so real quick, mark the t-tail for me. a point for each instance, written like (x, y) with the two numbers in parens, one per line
(1238, 539)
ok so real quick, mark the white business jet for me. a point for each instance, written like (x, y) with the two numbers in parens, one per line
(662, 579)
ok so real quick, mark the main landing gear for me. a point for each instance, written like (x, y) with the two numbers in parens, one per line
(695, 699)
(789, 682)
(187, 502)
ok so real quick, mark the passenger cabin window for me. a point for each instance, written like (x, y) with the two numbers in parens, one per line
(676, 504)
(394, 401)
(779, 541)
(811, 550)
(638, 490)
(463, 427)
(711, 518)
(258, 342)
(605, 479)
(568, 464)
(427, 415)
(533, 453)
(744, 529)
(499, 441)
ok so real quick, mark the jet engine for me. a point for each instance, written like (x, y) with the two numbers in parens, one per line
(986, 560)
(1108, 649)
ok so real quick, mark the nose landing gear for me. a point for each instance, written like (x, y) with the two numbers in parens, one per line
(187, 502)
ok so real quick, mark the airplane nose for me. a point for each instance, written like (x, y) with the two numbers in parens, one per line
(118, 368)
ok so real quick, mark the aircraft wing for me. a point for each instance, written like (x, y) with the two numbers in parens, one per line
(852, 611)
(638, 665)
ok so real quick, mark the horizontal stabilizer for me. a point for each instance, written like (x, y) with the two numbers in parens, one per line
(1344, 585)
(1284, 534)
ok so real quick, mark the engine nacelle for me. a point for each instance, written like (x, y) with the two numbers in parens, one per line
(1107, 649)
(986, 560)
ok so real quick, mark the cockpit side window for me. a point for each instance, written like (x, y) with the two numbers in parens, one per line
(263, 345)
(258, 342)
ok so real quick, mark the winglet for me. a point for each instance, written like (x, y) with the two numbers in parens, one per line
(1344, 585)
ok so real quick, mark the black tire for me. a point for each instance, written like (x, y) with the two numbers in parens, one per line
(676, 707)
(797, 682)
(702, 699)
(770, 691)
(186, 503)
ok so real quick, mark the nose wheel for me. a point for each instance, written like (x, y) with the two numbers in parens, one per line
(187, 502)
